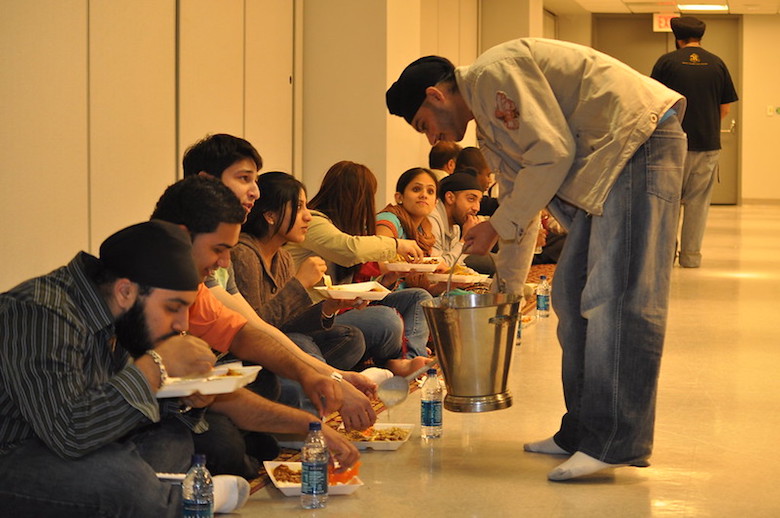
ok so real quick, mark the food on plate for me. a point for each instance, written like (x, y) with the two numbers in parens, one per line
(425, 260)
(371, 434)
(283, 473)
(345, 476)
(460, 269)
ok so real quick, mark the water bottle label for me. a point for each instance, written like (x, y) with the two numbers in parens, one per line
(543, 302)
(431, 413)
(314, 478)
(195, 509)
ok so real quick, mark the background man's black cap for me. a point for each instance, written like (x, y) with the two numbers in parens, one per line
(407, 94)
(459, 182)
(686, 27)
(154, 253)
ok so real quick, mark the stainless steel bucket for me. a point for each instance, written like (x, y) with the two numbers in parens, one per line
(474, 336)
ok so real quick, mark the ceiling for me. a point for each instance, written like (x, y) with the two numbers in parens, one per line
(659, 6)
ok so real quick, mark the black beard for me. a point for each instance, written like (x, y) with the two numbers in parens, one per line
(132, 332)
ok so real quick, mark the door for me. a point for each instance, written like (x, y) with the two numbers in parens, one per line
(630, 38)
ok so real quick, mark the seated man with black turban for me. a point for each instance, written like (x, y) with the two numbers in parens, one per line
(83, 352)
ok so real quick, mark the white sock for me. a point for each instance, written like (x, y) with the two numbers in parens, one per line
(579, 465)
(230, 493)
(548, 446)
(377, 375)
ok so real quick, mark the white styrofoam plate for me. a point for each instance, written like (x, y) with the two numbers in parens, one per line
(291, 489)
(385, 445)
(429, 264)
(217, 382)
(371, 290)
(467, 279)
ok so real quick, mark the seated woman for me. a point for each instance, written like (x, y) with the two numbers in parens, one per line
(267, 277)
(415, 199)
(343, 232)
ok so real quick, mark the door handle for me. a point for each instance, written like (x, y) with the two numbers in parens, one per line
(732, 127)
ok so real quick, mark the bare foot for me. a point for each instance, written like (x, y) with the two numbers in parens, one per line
(404, 368)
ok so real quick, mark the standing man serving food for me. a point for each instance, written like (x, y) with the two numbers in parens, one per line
(565, 125)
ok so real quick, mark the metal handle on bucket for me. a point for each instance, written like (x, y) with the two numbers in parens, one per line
(502, 320)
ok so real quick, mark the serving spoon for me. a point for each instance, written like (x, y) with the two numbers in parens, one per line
(396, 389)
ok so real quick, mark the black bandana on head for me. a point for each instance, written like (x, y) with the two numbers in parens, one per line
(458, 182)
(407, 94)
(155, 253)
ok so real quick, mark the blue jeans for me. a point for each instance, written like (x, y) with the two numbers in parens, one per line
(407, 302)
(701, 169)
(340, 346)
(117, 480)
(611, 293)
(382, 328)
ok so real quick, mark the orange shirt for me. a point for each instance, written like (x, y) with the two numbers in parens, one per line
(212, 321)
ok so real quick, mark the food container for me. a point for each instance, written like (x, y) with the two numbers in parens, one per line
(474, 336)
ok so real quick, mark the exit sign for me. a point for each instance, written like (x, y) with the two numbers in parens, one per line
(662, 21)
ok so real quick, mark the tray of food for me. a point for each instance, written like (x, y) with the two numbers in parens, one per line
(371, 290)
(426, 264)
(461, 274)
(222, 380)
(286, 476)
(381, 436)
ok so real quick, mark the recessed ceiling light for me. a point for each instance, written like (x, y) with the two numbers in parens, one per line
(702, 7)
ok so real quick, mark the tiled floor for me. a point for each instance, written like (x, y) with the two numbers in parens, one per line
(717, 424)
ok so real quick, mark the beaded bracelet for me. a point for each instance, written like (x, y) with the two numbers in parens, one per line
(157, 359)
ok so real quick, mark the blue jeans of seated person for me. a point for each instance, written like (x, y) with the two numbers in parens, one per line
(340, 346)
(407, 303)
(382, 328)
(611, 293)
(117, 480)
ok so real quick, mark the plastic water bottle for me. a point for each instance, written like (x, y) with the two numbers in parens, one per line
(543, 298)
(314, 476)
(431, 408)
(538, 250)
(198, 490)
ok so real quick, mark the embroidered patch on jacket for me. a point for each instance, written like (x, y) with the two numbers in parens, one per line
(506, 111)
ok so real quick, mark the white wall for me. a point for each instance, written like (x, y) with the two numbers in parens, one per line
(760, 88)
(93, 124)
(353, 51)
(344, 67)
(132, 111)
(503, 20)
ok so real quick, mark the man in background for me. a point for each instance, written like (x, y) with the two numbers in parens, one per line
(455, 213)
(441, 158)
(702, 77)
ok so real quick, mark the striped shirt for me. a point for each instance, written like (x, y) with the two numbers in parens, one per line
(60, 378)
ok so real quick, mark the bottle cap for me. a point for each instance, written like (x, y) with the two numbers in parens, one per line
(431, 371)
(543, 277)
(315, 425)
(199, 458)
